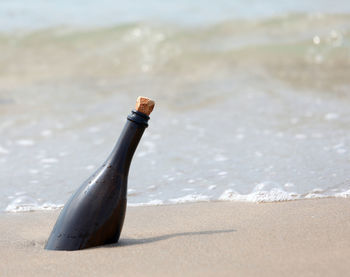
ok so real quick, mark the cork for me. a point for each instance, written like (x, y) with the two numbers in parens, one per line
(144, 105)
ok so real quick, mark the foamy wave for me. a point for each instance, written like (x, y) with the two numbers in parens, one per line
(263, 192)
(273, 195)
(27, 204)
(155, 202)
(190, 198)
(343, 194)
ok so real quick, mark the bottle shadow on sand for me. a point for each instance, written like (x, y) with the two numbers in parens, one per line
(130, 241)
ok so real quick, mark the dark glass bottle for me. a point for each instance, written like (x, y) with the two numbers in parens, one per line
(94, 215)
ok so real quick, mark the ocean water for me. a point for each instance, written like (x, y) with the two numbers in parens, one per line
(252, 100)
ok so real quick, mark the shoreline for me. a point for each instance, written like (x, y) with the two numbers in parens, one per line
(59, 207)
(291, 238)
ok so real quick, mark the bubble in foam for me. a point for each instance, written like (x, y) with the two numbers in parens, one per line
(316, 40)
(93, 129)
(3, 150)
(341, 151)
(190, 198)
(220, 158)
(152, 187)
(132, 192)
(49, 160)
(33, 171)
(98, 141)
(25, 142)
(300, 136)
(294, 120)
(222, 173)
(331, 116)
(46, 133)
(289, 185)
(188, 189)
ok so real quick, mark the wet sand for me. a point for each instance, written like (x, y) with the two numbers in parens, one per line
(297, 238)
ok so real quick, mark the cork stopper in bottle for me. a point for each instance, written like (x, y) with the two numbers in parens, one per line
(144, 105)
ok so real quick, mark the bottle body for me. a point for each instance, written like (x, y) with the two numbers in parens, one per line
(95, 214)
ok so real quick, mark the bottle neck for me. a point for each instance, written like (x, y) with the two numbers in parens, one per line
(139, 118)
(128, 141)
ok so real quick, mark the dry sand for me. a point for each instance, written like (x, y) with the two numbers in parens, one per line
(299, 238)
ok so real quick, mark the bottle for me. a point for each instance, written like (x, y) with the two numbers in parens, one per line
(94, 215)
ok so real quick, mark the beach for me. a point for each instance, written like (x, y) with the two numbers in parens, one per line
(293, 238)
(244, 168)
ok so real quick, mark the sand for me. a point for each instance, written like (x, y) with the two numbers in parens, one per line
(297, 238)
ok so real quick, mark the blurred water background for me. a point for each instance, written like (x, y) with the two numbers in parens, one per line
(252, 98)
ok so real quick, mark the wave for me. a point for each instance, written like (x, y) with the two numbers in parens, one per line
(264, 192)
(29, 204)
(286, 46)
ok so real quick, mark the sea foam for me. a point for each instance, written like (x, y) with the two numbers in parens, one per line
(190, 198)
(23, 203)
(28, 204)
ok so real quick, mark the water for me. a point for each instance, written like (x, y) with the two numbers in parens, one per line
(35, 14)
(251, 101)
